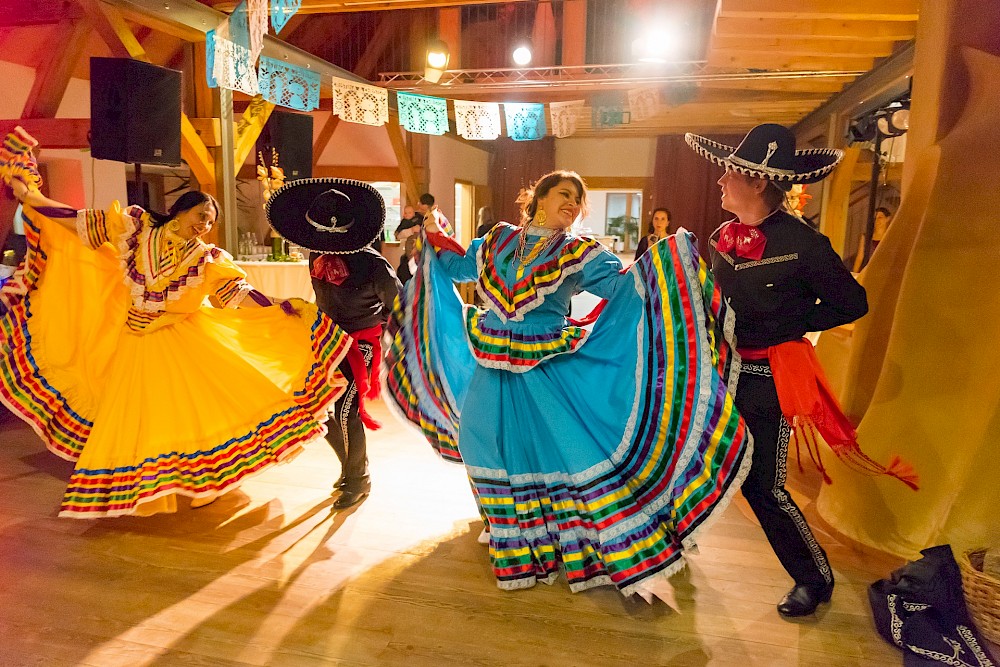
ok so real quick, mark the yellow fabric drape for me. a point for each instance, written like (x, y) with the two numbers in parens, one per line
(925, 365)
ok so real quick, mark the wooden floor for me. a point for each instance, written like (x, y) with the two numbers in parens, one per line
(272, 575)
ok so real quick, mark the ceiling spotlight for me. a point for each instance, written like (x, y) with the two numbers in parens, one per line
(894, 120)
(658, 44)
(521, 56)
(437, 60)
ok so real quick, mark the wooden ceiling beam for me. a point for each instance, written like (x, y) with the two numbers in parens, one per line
(202, 102)
(387, 28)
(209, 129)
(449, 30)
(736, 108)
(837, 10)
(852, 31)
(805, 47)
(52, 77)
(177, 29)
(412, 186)
(721, 95)
(163, 49)
(198, 157)
(776, 61)
(114, 30)
(343, 6)
(574, 32)
(249, 127)
(824, 85)
(314, 33)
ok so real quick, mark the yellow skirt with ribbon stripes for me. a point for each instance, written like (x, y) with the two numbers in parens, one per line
(193, 406)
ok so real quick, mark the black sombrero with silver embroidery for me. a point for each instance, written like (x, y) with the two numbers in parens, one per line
(768, 151)
(329, 215)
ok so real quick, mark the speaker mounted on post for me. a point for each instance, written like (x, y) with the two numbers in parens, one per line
(135, 112)
(290, 135)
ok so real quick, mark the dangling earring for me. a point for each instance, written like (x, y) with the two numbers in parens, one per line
(540, 218)
(174, 226)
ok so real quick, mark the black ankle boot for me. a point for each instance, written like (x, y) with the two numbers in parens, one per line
(803, 599)
(352, 492)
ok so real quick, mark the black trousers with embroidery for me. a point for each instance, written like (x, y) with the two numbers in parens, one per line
(346, 433)
(783, 523)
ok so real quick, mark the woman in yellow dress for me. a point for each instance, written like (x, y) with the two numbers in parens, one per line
(109, 351)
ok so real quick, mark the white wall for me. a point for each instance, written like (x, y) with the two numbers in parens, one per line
(450, 160)
(625, 157)
(354, 145)
(103, 180)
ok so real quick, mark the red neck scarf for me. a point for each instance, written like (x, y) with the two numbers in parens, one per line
(330, 268)
(748, 241)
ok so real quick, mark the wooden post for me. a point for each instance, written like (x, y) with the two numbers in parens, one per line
(574, 32)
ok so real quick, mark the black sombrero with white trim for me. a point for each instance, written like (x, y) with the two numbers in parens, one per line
(329, 215)
(768, 151)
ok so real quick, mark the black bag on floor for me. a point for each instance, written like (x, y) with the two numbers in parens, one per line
(921, 609)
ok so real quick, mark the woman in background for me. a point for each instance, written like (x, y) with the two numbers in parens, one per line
(485, 221)
(659, 225)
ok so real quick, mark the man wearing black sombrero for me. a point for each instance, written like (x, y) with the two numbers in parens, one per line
(782, 279)
(338, 219)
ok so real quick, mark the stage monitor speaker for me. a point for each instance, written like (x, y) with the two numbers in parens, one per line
(135, 112)
(291, 135)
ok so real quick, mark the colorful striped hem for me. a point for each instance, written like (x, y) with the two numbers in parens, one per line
(118, 492)
(26, 392)
(277, 439)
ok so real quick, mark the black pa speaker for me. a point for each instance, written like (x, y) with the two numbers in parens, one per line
(291, 135)
(135, 112)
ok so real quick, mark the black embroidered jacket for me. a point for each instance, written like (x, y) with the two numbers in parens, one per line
(799, 285)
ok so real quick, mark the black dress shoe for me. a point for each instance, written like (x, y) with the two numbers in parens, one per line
(339, 484)
(802, 600)
(349, 499)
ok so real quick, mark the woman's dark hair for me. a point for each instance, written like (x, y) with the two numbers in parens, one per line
(185, 202)
(886, 212)
(652, 215)
(528, 199)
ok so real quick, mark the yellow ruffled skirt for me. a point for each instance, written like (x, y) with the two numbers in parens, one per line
(191, 408)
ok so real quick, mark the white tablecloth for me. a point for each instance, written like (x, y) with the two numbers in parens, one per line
(281, 280)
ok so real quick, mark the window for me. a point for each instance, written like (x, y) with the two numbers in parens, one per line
(393, 210)
(623, 217)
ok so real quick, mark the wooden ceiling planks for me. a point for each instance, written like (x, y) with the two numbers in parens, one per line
(848, 36)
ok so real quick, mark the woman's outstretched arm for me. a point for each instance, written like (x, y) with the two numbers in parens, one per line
(37, 200)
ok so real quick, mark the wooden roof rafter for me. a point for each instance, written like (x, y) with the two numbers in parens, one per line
(343, 6)
(53, 76)
(835, 10)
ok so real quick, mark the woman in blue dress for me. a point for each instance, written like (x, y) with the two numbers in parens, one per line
(598, 453)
